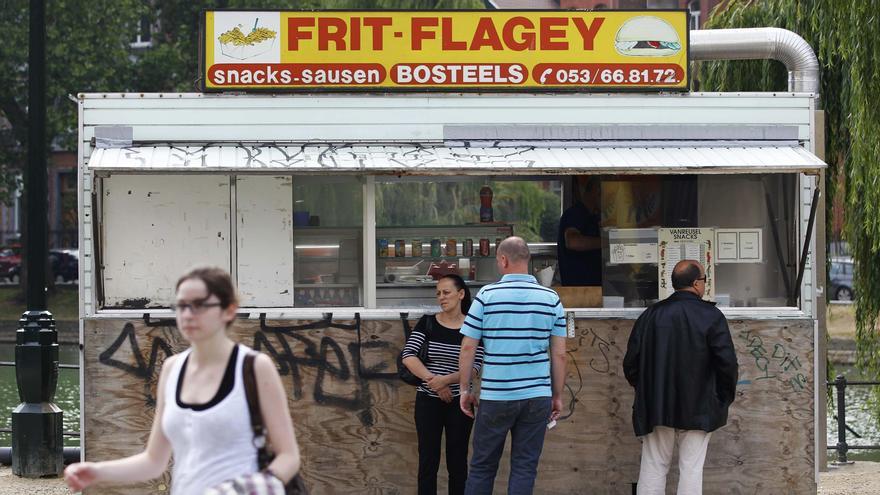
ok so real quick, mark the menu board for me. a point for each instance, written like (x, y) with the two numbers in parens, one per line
(685, 243)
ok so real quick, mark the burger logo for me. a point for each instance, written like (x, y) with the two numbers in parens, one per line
(647, 36)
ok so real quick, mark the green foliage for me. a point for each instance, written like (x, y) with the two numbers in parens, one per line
(532, 207)
(86, 50)
(172, 63)
(846, 37)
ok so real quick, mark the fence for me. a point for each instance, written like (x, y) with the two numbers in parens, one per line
(840, 383)
(60, 366)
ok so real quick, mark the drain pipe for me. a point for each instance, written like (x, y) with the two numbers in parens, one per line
(759, 44)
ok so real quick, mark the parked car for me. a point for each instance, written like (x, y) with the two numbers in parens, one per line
(64, 264)
(841, 279)
(10, 263)
(839, 249)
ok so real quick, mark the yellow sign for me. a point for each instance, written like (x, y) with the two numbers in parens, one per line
(449, 50)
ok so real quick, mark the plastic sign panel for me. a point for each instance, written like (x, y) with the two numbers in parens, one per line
(685, 243)
(445, 50)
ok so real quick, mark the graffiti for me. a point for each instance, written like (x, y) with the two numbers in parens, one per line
(600, 365)
(778, 363)
(293, 351)
(343, 156)
(337, 374)
(141, 369)
(329, 361)
(574, 393)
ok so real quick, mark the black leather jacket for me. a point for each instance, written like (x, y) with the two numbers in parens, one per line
(681, 360)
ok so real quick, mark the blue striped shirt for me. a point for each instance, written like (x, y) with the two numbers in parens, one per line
(515, 318)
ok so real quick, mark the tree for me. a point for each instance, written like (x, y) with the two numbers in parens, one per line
(172, 63)
(86, 50)
(846, 40)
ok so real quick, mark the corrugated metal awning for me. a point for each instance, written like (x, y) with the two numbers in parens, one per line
(417, 159)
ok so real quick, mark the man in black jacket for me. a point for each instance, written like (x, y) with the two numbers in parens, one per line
(681, 361)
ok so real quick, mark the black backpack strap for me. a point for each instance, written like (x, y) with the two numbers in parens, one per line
(252, 394)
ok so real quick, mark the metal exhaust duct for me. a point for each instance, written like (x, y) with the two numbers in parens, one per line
(759, 44)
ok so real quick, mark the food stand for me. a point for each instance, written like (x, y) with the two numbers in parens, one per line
(329, 168)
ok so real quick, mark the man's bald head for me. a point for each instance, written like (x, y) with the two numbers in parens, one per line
(515, 248)
(686, 273)
(512, 256)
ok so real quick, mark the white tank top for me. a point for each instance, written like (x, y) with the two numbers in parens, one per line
(212, 445)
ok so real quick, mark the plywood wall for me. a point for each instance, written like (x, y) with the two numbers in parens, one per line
(354, 418)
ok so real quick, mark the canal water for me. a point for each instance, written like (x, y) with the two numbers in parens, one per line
(67, 395)
(859, 415)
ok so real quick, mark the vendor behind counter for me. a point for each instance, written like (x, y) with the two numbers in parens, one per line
(579, 242)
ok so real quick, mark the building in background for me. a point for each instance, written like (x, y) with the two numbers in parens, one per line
(62, 205)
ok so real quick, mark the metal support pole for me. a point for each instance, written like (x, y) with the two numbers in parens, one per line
(840, 385)
(37, 441)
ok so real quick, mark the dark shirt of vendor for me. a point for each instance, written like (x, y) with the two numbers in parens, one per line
(579, 243)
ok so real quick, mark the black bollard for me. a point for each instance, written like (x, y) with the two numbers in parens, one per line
(842, 448)
(37, 445)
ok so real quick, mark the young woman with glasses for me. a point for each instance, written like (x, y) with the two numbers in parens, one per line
(202, 414)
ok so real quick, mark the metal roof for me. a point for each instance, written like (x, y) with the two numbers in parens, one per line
(425, 160)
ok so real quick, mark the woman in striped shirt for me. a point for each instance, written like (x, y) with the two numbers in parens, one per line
(437, 397)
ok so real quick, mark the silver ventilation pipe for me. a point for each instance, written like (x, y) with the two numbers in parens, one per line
(761, 43)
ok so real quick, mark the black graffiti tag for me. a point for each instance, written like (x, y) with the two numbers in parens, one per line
(292, 351)
(141, 368)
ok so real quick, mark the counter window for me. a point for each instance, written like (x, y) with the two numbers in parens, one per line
(426, 227)
(600, 241)
(742, 226)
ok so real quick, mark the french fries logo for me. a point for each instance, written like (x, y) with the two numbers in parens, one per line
(235, 44)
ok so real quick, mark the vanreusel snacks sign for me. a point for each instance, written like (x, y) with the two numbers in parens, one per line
(460, 50)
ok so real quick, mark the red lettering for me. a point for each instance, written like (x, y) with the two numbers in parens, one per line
(527, 37)
(419, 33)
(446, 36)
(377, 24)
(486, 35)
(355, 30)
(588, 33)
(548, 35)
(331, 29)
(294, 34)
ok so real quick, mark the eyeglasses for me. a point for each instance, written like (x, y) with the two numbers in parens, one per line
(197, 307)
(703, 278)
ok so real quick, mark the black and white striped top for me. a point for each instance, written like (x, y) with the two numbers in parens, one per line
(444, 346)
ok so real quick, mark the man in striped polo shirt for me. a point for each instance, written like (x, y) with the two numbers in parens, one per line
(518, 322)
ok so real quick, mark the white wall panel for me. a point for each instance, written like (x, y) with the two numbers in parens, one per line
(264, 221)
(155, 228)
(419, 118)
